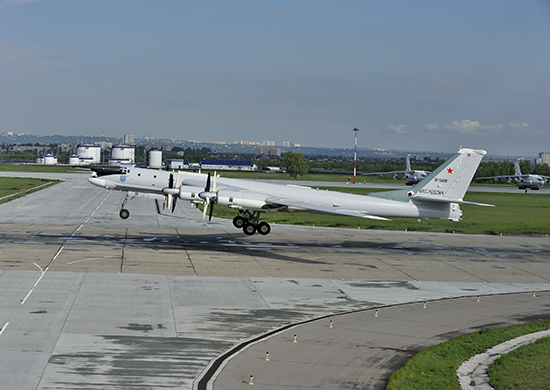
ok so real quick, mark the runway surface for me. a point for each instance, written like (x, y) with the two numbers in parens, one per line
(90, 301)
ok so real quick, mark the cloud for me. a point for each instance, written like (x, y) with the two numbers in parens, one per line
(466, 127)
(399, 129)
(431, 127)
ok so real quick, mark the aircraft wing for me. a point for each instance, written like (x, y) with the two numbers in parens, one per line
(384, 173)
(500, 177)
(317, 208)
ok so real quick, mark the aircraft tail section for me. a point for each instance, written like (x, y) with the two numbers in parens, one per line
(450, 181)
(517, 168)
(408, 162)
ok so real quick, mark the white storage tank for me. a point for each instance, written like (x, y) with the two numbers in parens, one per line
(74, 160)
(50, 159)
(155, 159)
(40, 160)
(91, 154)
(123, 152)
(120, 161)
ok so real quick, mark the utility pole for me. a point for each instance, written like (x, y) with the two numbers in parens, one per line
(355, 156)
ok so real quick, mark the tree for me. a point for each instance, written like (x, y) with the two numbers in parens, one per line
(295, 164)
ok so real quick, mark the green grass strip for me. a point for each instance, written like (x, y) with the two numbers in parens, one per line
(525, 368)
(14, 187)
(434, 368)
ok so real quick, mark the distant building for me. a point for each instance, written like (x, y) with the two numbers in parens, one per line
(268, 143)
(545, 158)
(228, 165)
(268, 152)
(128, 139)
(288, 144)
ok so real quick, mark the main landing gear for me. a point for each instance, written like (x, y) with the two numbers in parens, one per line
(250, 223)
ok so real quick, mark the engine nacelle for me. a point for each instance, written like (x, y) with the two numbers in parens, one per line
(510, 180)
(190, 196)
(406, 176)
(242, 201)
(547, 181)
(395, 176)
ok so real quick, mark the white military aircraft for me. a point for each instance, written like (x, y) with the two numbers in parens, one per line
(524, 180)
(438, 196)
(412, 176)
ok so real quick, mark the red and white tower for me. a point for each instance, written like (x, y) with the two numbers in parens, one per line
(355, 156)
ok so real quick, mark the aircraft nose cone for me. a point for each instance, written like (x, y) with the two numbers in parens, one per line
(97, 181)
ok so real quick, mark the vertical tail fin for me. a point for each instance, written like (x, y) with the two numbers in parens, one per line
(451, 180)
(518, 169)
(408, 162)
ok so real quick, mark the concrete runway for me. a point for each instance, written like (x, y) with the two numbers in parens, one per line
(88, 300)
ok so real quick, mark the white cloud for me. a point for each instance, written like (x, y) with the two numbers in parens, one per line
(431, 127)
(399, 129)
(466, 127)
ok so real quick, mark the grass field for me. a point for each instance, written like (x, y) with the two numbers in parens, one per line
(42, 168)
(526, 368)
(434, 368)
(12, 187)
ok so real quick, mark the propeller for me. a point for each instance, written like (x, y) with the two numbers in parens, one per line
(209, 195)
(169, 198)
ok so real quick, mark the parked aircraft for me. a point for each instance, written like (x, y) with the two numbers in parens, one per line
(412, 176)
(525, 181)
(438, 196)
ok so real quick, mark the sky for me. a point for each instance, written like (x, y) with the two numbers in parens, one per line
(411, 75)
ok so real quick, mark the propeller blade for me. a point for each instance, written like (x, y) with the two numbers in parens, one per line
(207, 188)
(211, 212)
(174, 204)
(171, 181)
(205, 209)
(170, 201)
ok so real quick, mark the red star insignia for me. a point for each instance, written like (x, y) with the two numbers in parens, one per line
(469, 154)
(450, 170)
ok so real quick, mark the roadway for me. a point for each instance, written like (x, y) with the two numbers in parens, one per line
(89, 301)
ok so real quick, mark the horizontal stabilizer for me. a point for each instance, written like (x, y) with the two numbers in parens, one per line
(449, 200)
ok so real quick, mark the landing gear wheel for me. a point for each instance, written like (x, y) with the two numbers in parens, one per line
(263, 228)
(124, 213)
(249, 229)
(239, 222)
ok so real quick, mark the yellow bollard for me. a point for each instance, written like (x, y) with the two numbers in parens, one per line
(330, 326)
(405, 230)
(376, 313)
(251, 380)
(358, 228)
(267, 356)
(534, 294)
(478, 298)
(295, 338)
(424, 304)
(313, 226)
(453, 232)
(501, 234)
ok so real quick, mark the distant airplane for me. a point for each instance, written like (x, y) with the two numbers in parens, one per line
(412, 176)
(438, 196)
(524, 180)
